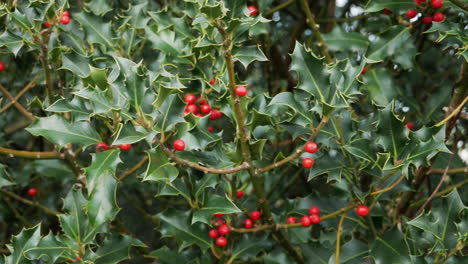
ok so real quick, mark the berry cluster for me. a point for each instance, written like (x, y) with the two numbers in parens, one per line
(428, 10)
(102, 146)
(310, 147)
(191, 100)
(224, 229)
(64, 19)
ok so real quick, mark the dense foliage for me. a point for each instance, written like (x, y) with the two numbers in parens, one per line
(233, 131)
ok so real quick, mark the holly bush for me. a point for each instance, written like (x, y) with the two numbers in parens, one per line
(233, 131)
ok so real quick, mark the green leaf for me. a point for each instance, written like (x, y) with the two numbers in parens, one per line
(13, 42)
(102, 205)
(391, 247)
(245, 249)
(97, 32)
(99, 100)
(76, 63)
(27, 239)
(60, 131)
(389, 43)
(128, 134)
(249, 54)
(395, 6)
(169, 114)
(213, 205)
(215, 11)
(167, 256)
(441, 221)
(116, 249)
(381, 87)
(49, 247)
(340, 40)
(159, 167)
(176, 224)
(392, 134)
(81, 113)
(21, 20)
(75, 223)
(135, 83)
(99, 7)
(5, 178)
(352, 252)
(102, 162)
(313, 77)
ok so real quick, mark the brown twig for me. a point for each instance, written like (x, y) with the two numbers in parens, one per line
(460, 4)
(32, 154)
(30, 85)
(463, 170)
(16, 104)
(442, 179)
(135, 168)
(278, 8)
(29, 202)
(338, 238)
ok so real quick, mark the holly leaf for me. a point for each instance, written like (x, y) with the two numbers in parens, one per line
(116, 248)
(60, 131)
(101, 163)
(248, 54)
(388, 43)
(395, 6)
(340, 40)
(214, 204)
(169, 114)
(167, 256)
(49, 247)
(5, 178)
(159, 167)
(13, 42)
(391, 247)
(97, 32)
(176, 224)
(441, 221)
(25, 240)
(128, 134)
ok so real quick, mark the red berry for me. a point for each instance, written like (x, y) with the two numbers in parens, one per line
(219, 222)
(409, 125)
(47, 24)
(32, 191)
(427, 20)
(255, 215)
(223, 229)
(305, 221)
(362, 210)
(215, 114)
(125, 146)
(198, 115)
(218, 215)
(78, 258)
(241, 90)
(315, 219)
(213, 81)
(253, 10)
(311, 147)
(411, 13)
(210, 129)
(364, 70)
(387, 11)
(205, 108)
(248, 223)
(2, 66)
(221, 241)
(200, 100)
(66, 13)
(314, 210)
(179, 145)
(307, 163)
(291, 220)
(437, 3)
(239, 194)
(101, 146)
(438, 17)
(65, 20)
(418, 2)
(190, 98)
(213, 233)
(191, 108)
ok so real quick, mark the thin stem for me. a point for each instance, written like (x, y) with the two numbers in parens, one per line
(389, 187)
(16, 104)
(30, 85)
(313, 25)
(181, 161)
(45, 65)
(278, 8)
(463, 170)
(460, 4)
(16, 213)
(442, 179)
(449, 189)
(29, 202)
(134, 169)
(453, 113)
(298, 151)
(344, 19)
(338, 238)
(32, 154)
